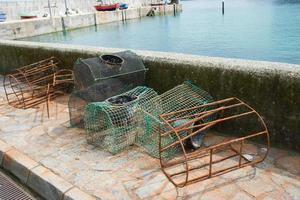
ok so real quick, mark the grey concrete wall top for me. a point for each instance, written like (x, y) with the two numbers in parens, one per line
(253, 66)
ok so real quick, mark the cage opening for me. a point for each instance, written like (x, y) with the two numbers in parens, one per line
(112, 59)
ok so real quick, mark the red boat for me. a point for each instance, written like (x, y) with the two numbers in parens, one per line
(107, 7)
(28, 17)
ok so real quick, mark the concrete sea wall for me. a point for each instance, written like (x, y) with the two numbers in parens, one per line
(273, 89)
(32, 27)
(13, 7)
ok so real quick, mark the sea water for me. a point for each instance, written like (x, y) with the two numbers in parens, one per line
(250, 29)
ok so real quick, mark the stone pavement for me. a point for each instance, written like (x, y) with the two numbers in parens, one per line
(133, 174)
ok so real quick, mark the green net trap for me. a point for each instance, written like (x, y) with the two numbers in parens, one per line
(184, 96)
(112, 124)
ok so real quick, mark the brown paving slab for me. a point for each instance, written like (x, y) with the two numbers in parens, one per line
(76, 194)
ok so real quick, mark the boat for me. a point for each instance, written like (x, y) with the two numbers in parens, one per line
(157, 4)
(107, 7)
(2, 16)
(26, 15)
(123, 6)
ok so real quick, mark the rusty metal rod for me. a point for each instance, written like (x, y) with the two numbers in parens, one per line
(214, 121)
(204, 112)
(196, 107)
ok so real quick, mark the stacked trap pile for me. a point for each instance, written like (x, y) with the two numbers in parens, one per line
(112, 124)
(171, 127)
(99, 78)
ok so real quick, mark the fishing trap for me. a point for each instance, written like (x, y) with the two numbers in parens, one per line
(230, 116)
(112, 124)
(101, 77)
(184, 96)
(37, 83)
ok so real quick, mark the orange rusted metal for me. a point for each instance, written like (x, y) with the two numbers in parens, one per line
(190, 166)
(37, 83)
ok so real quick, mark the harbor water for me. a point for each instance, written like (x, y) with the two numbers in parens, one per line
(266, 30)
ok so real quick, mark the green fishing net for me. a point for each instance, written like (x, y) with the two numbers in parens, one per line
(183, 96)
(114, 126)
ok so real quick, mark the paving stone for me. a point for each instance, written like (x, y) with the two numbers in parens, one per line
(4, 119)
(18, 164)
(293, 191)
(241, 196)
(278, 195)
(152, 186)
(224, 190)
(21, 112)
(256, 186)
(4, 147)
(16, 127)
(280, 178)
(47, 184)
(76, 194)
(289, 163)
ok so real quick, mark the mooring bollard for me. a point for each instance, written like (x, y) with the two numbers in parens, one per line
(223, 7)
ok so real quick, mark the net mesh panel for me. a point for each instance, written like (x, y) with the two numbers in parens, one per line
(96, 80)
(113, 127)
(89, 71)
(95, 93)
(184, 96)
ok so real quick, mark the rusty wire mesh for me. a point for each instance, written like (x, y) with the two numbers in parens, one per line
(231, 115)
(37, 83)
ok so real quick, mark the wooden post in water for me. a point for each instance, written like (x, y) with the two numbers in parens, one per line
(95, 18)
(174, 8)
(223, 7)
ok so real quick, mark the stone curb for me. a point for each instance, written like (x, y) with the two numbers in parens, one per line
(3, 149)
(37, 177)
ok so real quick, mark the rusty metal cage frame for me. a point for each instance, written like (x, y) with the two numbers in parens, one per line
(214, 108)
(37, 83)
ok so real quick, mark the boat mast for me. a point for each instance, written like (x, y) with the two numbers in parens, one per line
(66, 6)
(50, 11)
